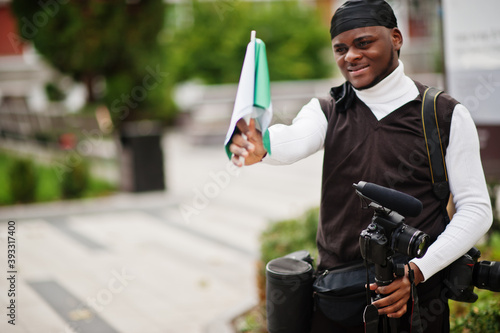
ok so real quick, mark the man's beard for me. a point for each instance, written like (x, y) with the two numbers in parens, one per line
(383, 75)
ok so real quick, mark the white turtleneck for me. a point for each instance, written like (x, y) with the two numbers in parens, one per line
(389, 94)
(473, 215)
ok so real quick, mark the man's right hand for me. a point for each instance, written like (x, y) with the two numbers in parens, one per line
(250, 148)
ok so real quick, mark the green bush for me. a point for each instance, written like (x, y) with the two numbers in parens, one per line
(484, 318)
(75, 181)
(5, 197)
(284, 237)
(23, 180)
(47, 182)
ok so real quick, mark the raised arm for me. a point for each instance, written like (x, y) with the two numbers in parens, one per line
(289, 143)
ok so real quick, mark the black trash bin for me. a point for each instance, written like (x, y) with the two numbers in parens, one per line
(289, 301)
(142, 166)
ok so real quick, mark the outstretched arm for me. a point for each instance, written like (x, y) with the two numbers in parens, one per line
(289, 143)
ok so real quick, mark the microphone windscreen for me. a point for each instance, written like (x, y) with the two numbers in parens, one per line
(400, 202)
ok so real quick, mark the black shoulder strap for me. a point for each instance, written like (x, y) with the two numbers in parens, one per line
(435, 151)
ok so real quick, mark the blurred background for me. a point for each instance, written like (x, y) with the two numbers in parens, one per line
(112, 121)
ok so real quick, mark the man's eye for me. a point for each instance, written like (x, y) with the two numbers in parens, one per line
(340, 50)
(364, 43)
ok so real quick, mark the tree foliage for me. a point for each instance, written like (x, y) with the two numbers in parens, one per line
(114, 40)
(207, 40)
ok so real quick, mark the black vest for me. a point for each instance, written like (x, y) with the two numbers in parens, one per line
(390, 152)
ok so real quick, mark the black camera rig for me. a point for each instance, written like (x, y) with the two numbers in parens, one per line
(387, 233)
(385, 236)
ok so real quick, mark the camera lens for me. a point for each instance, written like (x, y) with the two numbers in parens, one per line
(422, 245)
(486, 275)
(410, 241)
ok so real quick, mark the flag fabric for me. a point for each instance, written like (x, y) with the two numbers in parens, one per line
(253, 97)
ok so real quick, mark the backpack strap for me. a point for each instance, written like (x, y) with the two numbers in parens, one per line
(435, 151)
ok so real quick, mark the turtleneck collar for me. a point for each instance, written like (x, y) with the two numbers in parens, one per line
(389, 94)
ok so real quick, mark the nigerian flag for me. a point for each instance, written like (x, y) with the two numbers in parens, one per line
(253, 97)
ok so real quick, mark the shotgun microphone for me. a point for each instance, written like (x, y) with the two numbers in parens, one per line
(400, 202)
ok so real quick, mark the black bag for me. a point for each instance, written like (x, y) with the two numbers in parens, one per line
(340, 293)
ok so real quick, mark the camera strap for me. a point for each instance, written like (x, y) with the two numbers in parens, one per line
(416, 322)
(432, 135)
(370, 314)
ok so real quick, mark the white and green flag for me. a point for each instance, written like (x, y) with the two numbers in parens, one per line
(253, 97)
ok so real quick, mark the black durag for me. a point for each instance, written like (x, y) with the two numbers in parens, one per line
(362, 13)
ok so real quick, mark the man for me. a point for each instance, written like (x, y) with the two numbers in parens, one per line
(370, 130)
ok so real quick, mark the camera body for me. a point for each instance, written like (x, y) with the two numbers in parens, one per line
(386, 235)
(467, 272)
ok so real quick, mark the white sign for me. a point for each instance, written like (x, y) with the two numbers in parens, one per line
(472, 56)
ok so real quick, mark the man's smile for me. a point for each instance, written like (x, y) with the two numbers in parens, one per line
(357, 70)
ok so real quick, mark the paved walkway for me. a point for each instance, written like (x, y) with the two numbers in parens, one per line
(179, 261)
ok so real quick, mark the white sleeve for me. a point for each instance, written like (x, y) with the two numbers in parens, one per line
(304, 137)
(473, 215)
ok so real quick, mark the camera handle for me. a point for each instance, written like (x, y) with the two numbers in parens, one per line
(384, 275)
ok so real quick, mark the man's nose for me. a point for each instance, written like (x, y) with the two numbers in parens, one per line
(352, 55)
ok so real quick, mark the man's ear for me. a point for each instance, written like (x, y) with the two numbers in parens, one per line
(396, 38)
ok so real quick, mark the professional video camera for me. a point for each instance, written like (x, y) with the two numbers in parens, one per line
(387, 234)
